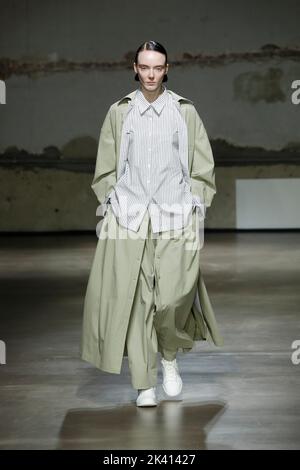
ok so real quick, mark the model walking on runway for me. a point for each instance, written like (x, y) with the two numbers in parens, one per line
(154, 176)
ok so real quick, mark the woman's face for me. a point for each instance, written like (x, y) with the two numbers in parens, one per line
(151, 69)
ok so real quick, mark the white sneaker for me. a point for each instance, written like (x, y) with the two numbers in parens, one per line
(172, 383)
(146, 397)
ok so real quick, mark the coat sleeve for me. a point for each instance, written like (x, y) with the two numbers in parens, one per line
(105, 170)
(202, 172)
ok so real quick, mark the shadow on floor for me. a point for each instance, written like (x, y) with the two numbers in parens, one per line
(172, 424)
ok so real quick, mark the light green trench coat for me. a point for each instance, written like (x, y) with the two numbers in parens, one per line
(107, 312)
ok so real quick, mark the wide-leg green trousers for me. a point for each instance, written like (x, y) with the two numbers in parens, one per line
(163, 299)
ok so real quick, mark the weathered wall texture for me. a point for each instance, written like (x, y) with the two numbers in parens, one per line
(65, 62)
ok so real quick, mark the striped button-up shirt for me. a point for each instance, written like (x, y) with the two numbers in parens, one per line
(153, 167)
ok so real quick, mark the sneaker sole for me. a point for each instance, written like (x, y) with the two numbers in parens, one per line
(146, 403)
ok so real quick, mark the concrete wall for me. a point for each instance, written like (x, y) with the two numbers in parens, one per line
(65, 62)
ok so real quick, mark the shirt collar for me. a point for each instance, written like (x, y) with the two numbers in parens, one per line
(129, 98)
(158, 104)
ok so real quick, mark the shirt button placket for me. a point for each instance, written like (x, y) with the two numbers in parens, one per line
(150, 144)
